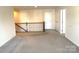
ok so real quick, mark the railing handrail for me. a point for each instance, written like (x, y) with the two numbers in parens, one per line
(31, 23)
(22, 28)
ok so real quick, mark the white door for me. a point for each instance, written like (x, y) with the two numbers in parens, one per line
(48, 20)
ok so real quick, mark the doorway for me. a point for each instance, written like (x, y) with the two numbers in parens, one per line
(48, 20)
(62, 21)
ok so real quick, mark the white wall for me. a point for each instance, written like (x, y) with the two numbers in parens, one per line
(57, 19)
(72, 24)
(60, 22)
(32, 15)
(36, 15)
(49, 18)
(35, 27)
(7, 28)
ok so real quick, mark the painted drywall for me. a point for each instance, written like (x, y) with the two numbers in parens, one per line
(7, 27)
(72, 24)
(57, 19)
(31, 16)
(35, 27)
(63, 21)
(60, 22)
(16, 16)
(36, 15)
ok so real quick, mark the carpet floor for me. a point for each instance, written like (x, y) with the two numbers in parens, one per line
(39, 42)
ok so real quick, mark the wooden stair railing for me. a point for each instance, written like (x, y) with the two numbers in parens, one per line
(21, 27)
(26, 30)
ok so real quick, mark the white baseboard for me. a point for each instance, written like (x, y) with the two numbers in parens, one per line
(4, 42)
(75, 42)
